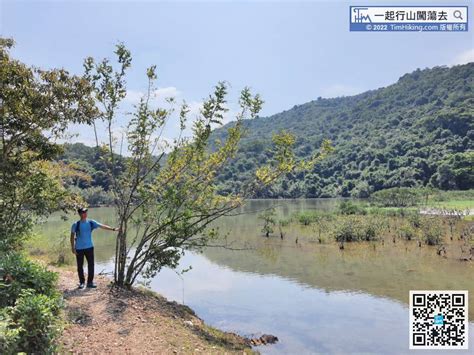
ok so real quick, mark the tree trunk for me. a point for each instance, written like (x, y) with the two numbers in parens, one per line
(95, 133)
(120, 260)
(121, 255)
(130, 275)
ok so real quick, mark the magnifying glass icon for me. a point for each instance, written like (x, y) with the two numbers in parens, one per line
(457, 14)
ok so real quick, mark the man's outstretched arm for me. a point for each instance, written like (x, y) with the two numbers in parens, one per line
(109, 228)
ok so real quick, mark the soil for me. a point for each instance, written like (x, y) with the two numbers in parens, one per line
(137, 321)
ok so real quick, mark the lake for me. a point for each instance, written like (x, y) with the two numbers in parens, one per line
(313, 297)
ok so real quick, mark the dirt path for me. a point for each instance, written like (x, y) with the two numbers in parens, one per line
(106, 320)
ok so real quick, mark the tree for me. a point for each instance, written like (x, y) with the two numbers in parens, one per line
(381, 137)
(171, 198)
(397, 197)
(456, 172)
(269, 222)
(35, 108)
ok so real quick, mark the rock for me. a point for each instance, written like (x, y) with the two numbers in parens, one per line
(264, 340)
(268, 339)
(123, 331)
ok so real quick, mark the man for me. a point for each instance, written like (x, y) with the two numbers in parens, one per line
(82, 245)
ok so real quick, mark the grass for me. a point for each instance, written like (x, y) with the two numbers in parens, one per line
(212, 335)
(461, 200)
(454, 204)
(55, 251)
(363, 222)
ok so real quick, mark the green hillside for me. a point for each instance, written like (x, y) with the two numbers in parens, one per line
(416, 132)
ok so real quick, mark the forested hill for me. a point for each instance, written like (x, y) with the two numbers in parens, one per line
(416, 132)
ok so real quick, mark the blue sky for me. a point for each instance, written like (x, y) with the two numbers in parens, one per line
(289, 52)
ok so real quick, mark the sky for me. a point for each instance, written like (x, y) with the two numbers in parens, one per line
(290, 52)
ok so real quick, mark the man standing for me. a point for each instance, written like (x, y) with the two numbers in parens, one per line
(82, 245)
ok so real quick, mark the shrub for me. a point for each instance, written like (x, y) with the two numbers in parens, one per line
(407, 232)
(348, 207)
(353, 229)
(397, 197)
(389, 211)
(370, 232)
(415, 219)
(30, 306)
(432, 232)
(268, 218)
(284, 222)
(34, 322)
(9, 337)
(62, 251)
(96, 196)
(305, 218)
(347, 231)
(20, 273)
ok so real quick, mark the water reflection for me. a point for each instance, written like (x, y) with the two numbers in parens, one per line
(314, 297)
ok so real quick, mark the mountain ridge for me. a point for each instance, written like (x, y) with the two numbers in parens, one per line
(429, 112)
(416, 132)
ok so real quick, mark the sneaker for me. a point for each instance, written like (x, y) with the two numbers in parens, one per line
(81, 285)
(92, 285)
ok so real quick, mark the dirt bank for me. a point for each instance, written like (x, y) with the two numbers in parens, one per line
(108, 320)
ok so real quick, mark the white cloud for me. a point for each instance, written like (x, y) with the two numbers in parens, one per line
(194, 109)
(464, 57)
(79, 133)
(119, 139)
(133, 96)
(85, 134)
(169, 91)
(336, 90)
(196, 106)
(164, 144)
(159, 95)
(230, 115)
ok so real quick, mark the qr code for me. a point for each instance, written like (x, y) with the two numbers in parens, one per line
(439, 320)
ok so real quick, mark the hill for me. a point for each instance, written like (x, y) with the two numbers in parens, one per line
(416, 132)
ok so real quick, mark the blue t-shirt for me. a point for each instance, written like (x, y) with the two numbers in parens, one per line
(84, 237)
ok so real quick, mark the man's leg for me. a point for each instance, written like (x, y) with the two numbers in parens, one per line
(90, 265)
(80, 264)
